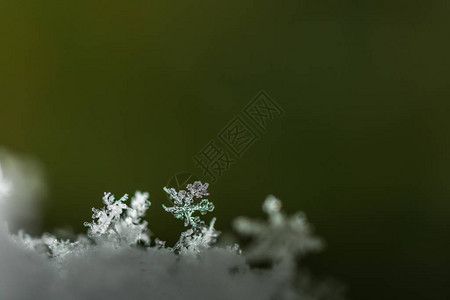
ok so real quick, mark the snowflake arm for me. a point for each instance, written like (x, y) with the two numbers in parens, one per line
(197, 189)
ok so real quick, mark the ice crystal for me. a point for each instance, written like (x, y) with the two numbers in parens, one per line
(184, 206)
(199, 236)
(198, 189)
(51, 246)
(197, 239)
(114, 226)
(132, 228)
(107, 217)
(280, 239)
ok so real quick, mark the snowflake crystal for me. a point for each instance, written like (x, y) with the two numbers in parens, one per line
(113, 225)
(199, 236)
(184, 206)
(280, 239)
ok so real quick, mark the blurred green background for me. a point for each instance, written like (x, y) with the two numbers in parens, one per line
(120, 95)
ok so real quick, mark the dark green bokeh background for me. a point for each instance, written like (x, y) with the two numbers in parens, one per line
(119, 95)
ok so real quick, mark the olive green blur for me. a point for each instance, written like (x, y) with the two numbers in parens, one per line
(120, 95)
